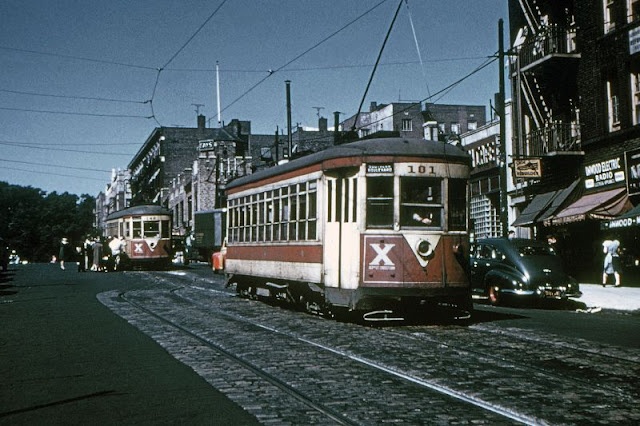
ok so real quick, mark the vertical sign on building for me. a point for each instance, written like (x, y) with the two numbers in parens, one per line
(633, 171)
(634, 41)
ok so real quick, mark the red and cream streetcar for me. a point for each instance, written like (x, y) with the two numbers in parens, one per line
(375, 226)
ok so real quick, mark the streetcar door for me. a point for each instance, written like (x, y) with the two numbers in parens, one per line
(341, 239)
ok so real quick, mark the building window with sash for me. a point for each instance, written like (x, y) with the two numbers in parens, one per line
(613, 106)
(609, 15)
(407, 125)
(635, 96)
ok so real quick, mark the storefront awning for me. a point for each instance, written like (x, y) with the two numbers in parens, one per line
(544, 206)
(562, 196)
(599, 205)
(630, 218)
(536, 207)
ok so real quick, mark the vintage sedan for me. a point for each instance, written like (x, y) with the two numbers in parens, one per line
(518, 267)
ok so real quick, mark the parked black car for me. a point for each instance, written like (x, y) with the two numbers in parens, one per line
(519, 267)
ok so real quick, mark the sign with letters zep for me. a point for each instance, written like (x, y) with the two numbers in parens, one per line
(634, 41)
(633, 171)
(604, 173)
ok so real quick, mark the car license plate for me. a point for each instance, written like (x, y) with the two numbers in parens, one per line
(552, 293)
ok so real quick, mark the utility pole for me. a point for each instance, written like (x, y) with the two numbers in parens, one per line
(289, 135)
(504, 212)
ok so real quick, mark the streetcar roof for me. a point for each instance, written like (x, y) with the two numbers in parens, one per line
(413, 147)
(140, 210)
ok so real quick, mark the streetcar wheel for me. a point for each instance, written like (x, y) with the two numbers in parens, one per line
(494, 295)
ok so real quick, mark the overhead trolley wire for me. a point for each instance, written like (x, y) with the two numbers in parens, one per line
(54, 174)
(89, 98)
(54, 165)
(271, 72)
(64, 150)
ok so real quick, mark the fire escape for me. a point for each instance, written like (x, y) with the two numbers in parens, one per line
(543, 71)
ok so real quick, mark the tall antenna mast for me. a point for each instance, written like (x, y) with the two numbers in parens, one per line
(198, 108)
(318, 109)
(218, 94)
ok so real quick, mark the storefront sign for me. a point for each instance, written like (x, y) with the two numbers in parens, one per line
(622, 223)
(633, 171)
(604, 173)
(208, 145)
(527, 168)
(634, 41)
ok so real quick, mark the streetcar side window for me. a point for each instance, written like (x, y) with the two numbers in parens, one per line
(165, 229)
(380, 202)
(421, 202)
(137, 228)
(457, 205)
(151, 228)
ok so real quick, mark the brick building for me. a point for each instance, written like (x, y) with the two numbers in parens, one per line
(410, 120)
(168, 151)
(116, 196)
(576, 86)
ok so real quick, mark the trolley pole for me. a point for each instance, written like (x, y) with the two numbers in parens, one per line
(504, 213)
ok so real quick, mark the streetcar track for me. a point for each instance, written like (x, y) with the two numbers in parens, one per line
(328, 412)
(191, 284)
(461, 396)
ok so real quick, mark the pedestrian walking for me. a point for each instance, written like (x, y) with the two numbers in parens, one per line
(80, 256)
(65, 252)
(611, 266)
(97, 255)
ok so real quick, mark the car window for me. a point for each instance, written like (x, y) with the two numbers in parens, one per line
(535, 251)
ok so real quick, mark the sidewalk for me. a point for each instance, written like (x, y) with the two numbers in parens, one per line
(610, 297)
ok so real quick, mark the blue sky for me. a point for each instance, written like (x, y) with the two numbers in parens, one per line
(77, 75)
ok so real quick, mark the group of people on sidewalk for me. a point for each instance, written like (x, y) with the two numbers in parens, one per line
(90, 254)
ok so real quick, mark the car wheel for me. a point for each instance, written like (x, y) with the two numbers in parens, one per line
(494, 295)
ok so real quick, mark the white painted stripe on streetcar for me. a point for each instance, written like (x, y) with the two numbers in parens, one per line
(505, 412)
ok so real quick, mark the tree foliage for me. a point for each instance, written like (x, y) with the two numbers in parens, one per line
(33, 222)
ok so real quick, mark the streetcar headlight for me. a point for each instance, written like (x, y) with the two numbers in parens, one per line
(424, 249)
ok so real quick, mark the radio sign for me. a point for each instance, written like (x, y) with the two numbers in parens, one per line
(604, 173)
(379, 168)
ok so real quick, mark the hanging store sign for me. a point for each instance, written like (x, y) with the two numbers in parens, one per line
(604, 173)
(527, 168)
(633, 171)
(634, 41)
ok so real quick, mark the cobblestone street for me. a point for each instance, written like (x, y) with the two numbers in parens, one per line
(286, 367)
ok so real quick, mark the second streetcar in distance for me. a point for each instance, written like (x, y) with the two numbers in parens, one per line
(145, 234)
(375, 226)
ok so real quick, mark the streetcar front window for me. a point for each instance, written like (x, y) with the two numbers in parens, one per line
(421, 202)
(380, 202)
(137, 228)
(151, 229)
